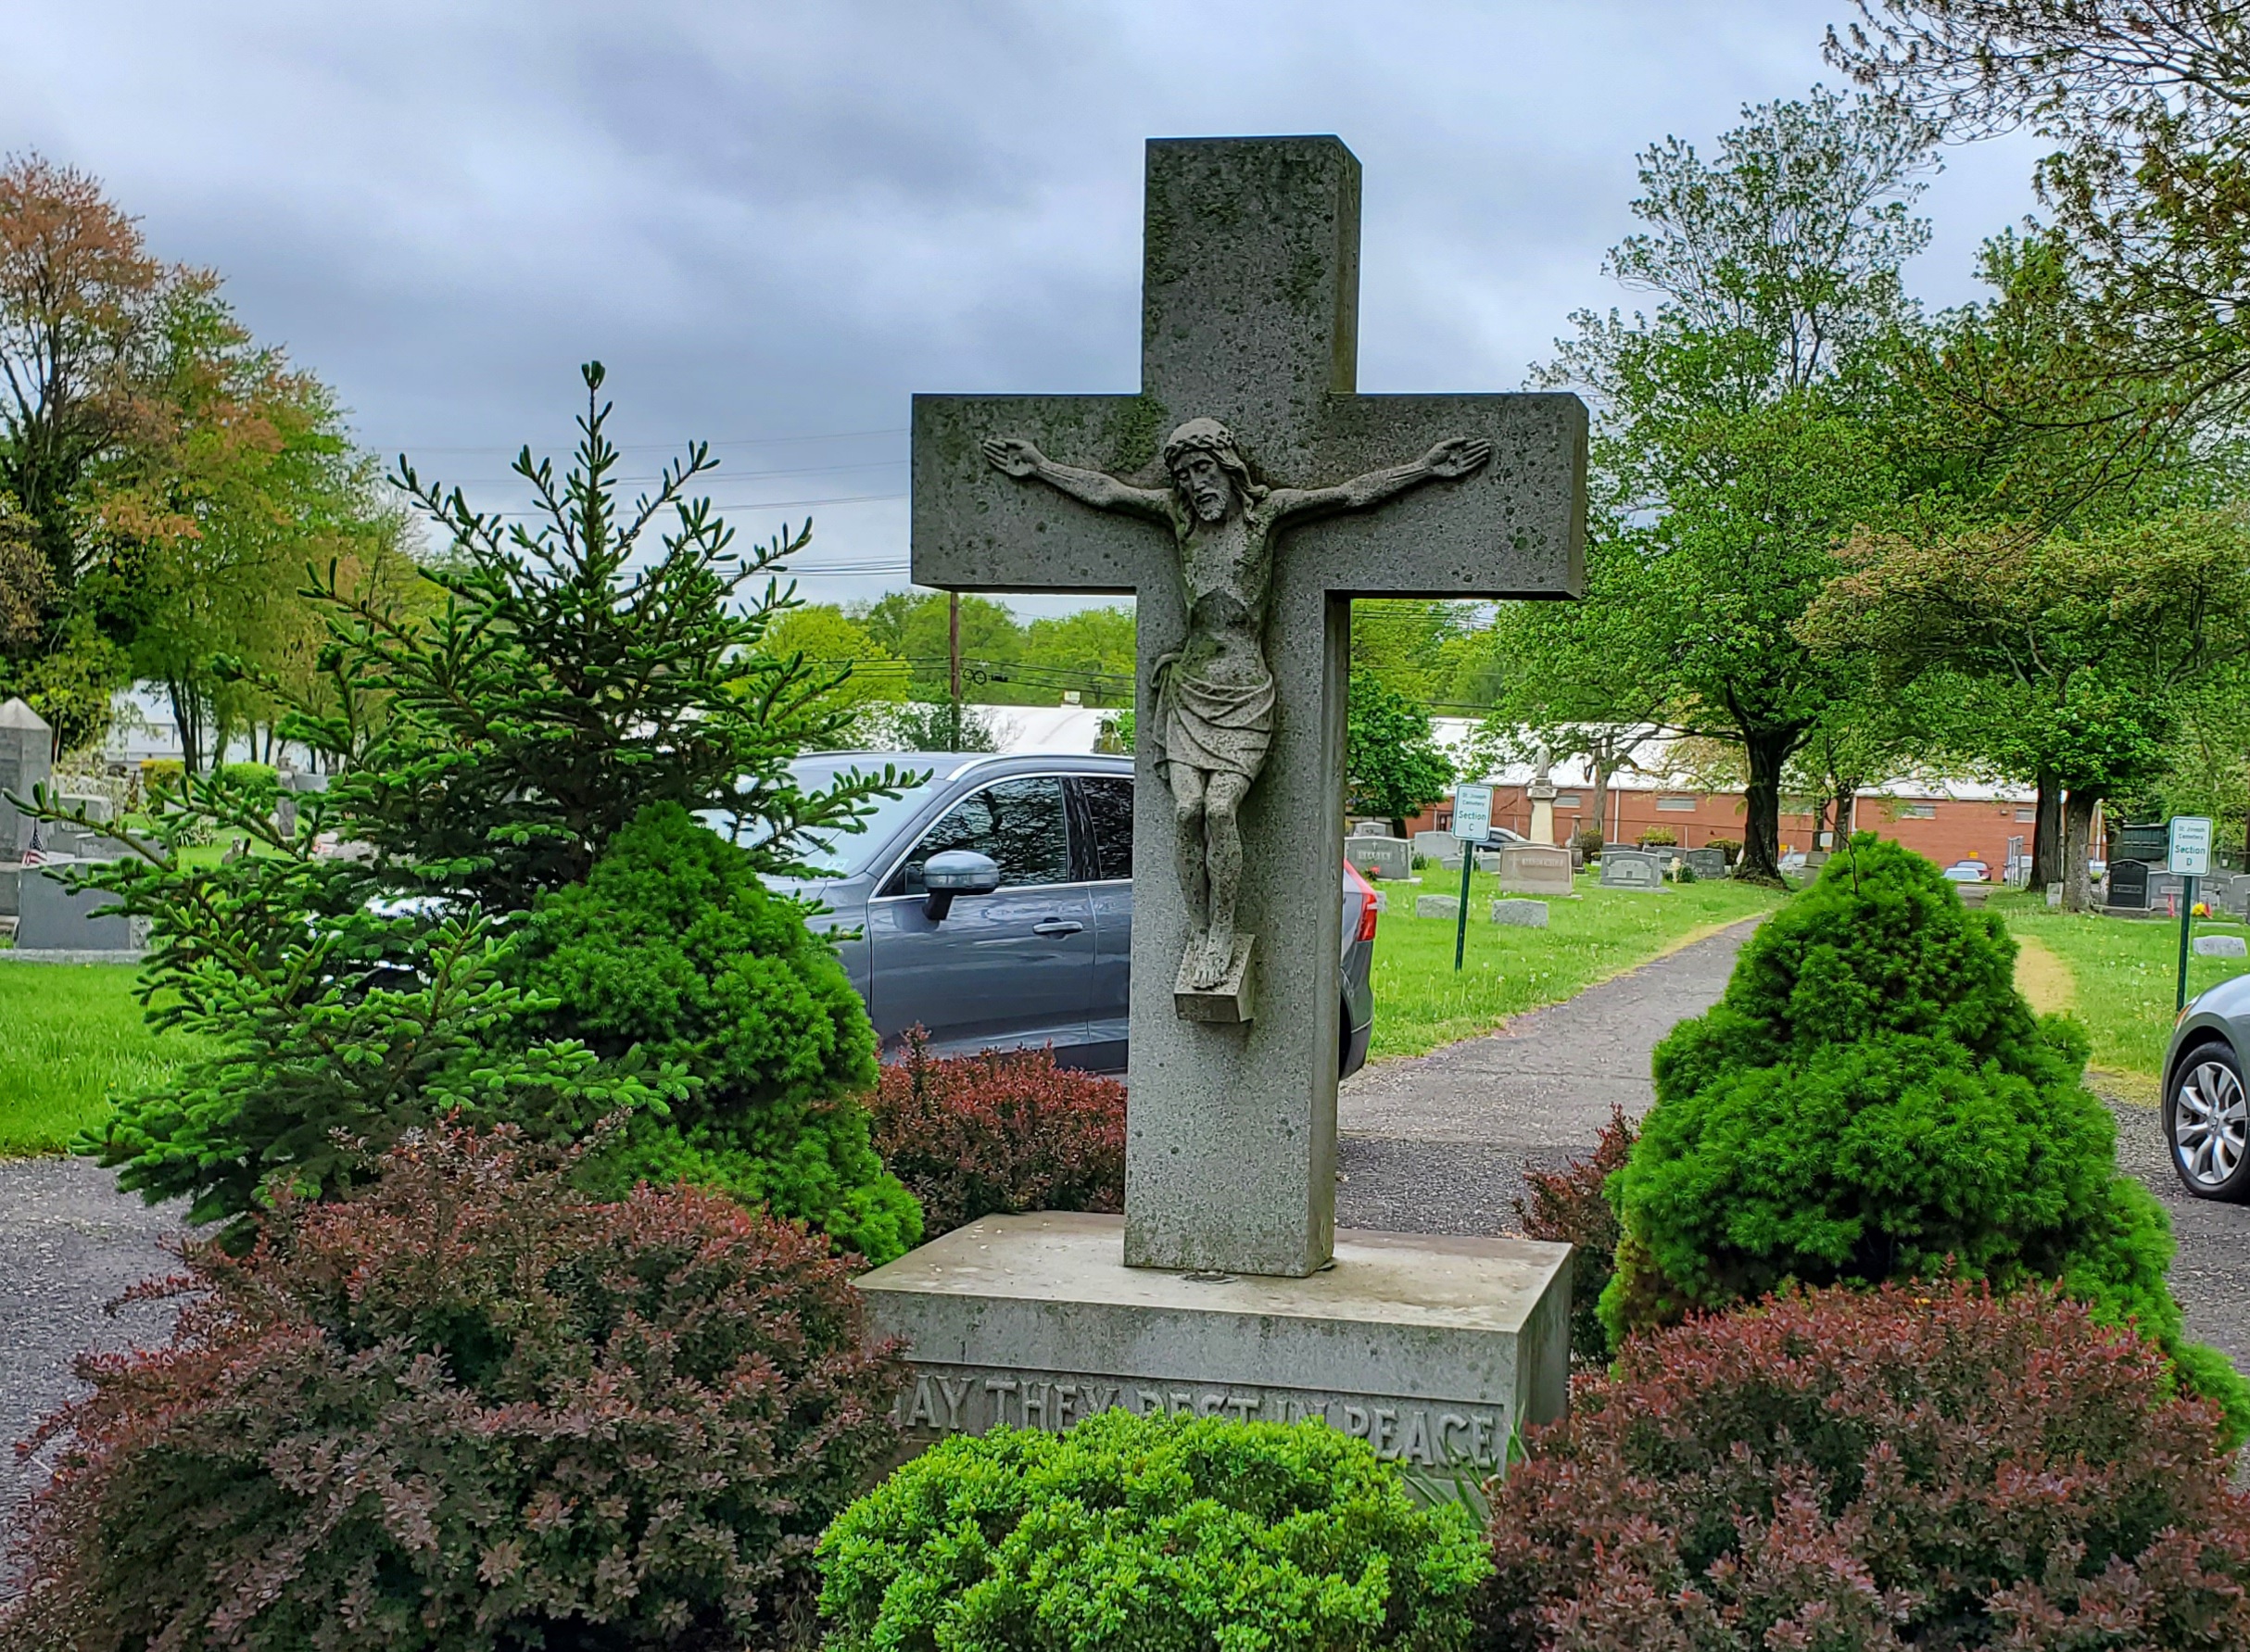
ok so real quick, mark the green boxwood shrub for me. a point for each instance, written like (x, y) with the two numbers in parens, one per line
(674, 945)
(1150, 1534)
(259, 783)
(1873, 1099)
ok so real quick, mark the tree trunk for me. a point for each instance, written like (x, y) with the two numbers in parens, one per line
(2047, 834)
(187, 716)
(2077, 840)
(1764, 755)
(1600, 767)
(1847, 813)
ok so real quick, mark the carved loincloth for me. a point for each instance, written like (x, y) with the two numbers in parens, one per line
(1221, 728)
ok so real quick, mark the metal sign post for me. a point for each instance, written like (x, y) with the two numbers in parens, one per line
(2188, 856)
(1472, 825)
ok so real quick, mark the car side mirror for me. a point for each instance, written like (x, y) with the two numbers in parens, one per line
(956, 872)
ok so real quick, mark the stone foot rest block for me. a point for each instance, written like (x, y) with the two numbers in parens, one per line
(1434, 1349)
(1437, 906)
(1227, 1001)
(1527, 914)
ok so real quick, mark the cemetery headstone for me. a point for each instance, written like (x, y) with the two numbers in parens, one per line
(1247, 468)
(1379, 857)
(1706, 864)
(1437, 906)
(2235, 894)
(2127, 885)
(1437, 846)
(1535, 869)
(2221, 946)
(57, 919)
(2164, 888)
(1631, 869)
(2055, 895)
(27, 761)
(1527, 914)
(1370, 828)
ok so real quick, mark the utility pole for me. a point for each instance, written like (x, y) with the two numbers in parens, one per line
(952, 646)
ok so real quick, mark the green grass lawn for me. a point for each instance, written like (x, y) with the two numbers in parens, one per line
(69, 1036)
(1421, 1002)
(2123, 972)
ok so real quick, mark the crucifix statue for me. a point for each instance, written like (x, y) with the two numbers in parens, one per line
(1214, 695)
(1249, 442)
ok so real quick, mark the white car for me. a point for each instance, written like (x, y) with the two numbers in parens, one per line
(1968, 872)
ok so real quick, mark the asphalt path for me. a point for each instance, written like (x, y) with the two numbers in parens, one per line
(1435, 1144)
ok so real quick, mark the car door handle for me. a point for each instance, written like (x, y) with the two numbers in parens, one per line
(1056, 926)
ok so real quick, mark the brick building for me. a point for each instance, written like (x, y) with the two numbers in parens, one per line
(1946, 820)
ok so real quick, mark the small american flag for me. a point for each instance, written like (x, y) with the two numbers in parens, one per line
(34, 852)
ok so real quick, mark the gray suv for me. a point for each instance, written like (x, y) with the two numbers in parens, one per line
(1021, 934)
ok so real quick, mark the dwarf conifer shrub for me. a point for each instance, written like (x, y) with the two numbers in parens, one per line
(1842, 1470)
(1873, 1099)
(673, 946)
(1150, 1534)
(467, 1409)
(998, 1133)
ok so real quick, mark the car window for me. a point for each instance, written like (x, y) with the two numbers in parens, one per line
(1108, 800)
(1017, 823)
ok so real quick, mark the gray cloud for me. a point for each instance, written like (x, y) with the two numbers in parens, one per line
(778, 221)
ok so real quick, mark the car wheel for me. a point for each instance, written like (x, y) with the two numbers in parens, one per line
(2206, 1119)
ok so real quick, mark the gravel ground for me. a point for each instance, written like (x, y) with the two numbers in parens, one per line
(1435, 1144)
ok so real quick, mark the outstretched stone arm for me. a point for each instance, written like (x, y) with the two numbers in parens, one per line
(1019, 458)
(1456, 456)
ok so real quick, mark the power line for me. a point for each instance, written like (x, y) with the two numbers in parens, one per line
(714, 476)
(833, 435)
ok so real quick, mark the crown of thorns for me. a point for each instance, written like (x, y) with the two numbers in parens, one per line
(1202, 436)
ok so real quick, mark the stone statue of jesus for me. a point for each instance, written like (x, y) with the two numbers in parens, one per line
(1214, 697)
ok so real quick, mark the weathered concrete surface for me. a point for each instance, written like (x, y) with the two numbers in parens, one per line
(1432, 1349)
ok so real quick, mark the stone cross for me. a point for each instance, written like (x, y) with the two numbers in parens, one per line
(1250, 322)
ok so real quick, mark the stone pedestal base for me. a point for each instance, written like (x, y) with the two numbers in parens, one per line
(1435, 1350)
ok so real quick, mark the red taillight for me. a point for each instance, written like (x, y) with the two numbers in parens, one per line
(1367, 903)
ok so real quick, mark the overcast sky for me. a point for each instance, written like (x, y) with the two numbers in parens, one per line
(775, 221)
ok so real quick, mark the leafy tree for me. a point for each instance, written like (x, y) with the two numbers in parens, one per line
(1751, 423)
(2149, 184)
(927, 725)
(1392, 765)
(828, 638)
(79, 300)
(243, 477)
(1090, 652)
(2065, 657)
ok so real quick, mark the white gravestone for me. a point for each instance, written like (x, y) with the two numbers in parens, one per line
(1524, 914)
(1631, 869)
(1437, 846)
(1215, 1292)
(1447, 907)
(2221, 946)
(1535, 869)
